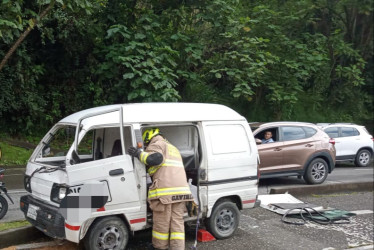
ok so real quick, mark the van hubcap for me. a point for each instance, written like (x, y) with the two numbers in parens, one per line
(225, 220)
(364, 158)
(318, 171)
(109, 238)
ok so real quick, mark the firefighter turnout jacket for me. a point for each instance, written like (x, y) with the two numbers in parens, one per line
(169, 177)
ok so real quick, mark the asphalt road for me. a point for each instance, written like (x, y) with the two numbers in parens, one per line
(263, 229)
(342, 173)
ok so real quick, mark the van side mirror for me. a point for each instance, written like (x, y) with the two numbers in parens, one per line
(258, 141)
(74, 158)
(46, 150)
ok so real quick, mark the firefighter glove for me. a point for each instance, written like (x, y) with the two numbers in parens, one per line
(133, 151)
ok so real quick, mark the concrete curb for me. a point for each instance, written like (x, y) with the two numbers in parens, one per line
(50, 244)
(324, 188)
(18, 236)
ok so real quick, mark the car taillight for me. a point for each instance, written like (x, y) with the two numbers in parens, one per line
(372, 138)
(1, 176)
(332, 141)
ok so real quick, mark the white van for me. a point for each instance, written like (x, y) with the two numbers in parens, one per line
(218, 150)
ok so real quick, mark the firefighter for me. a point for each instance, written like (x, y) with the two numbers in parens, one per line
(169, 192)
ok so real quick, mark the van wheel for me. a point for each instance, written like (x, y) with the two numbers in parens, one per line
(363, 158)
(107, 233)
(224, 220)
(316, 173)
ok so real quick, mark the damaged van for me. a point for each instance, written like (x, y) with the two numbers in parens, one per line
(83, 186)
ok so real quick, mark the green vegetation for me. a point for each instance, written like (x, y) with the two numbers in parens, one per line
(304, 60)
(12, 155)
(15, 224)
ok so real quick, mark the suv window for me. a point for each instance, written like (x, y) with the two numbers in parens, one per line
(274, 131)
(293, 133)
(349, 132)
(333, 132)
(309, 131)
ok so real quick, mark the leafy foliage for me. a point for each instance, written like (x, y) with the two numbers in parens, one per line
(306, 60)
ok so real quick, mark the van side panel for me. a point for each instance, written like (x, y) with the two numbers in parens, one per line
(231, 162)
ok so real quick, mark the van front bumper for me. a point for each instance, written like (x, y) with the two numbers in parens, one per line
(48, 219)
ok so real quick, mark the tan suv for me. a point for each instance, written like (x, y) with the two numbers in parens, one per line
(298, 149)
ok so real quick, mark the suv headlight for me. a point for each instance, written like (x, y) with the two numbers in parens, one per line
(59, 192)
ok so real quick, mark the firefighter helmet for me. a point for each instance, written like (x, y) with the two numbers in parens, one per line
(149, 133)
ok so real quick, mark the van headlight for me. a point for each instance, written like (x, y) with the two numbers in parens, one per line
(62, 193)
(27, 183)
(59, 192)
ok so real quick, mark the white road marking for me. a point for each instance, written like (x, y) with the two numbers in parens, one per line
(359, 212)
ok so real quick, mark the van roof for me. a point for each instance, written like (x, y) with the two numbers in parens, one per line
(163, 112)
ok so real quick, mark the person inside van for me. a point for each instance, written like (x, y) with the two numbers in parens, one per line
(267, 137)
(169, 192)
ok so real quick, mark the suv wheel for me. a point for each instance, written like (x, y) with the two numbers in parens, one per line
(316, 173)
(363, 158)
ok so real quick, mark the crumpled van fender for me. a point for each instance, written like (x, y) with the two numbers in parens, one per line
(325, 156)
(88, 223)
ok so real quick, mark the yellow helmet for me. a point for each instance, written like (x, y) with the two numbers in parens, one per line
(149, 133)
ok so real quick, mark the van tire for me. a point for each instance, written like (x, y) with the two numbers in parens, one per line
(363, 158)
(107, 233)
(316, 172)
(224, 220)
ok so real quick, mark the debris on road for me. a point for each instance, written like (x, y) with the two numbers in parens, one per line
(282, 203)
(300, 212)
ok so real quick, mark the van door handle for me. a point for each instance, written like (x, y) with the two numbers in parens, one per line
(277, 149)
(309, 145)
(115, 172)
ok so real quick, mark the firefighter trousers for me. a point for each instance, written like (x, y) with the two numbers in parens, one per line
(168, 225)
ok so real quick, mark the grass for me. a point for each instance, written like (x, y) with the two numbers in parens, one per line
(11, 155)
(15, 224)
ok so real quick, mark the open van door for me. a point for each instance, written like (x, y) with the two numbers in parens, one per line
(98, 155)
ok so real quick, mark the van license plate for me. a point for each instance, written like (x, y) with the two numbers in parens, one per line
(32, 211)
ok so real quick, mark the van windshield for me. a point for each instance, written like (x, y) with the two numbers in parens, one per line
(58, 142)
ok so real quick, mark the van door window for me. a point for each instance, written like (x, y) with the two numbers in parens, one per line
(102, 143)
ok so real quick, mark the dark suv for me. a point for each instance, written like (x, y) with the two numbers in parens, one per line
(299, 149)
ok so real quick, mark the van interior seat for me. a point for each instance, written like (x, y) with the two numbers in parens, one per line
(117, 148)
(191, 163)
